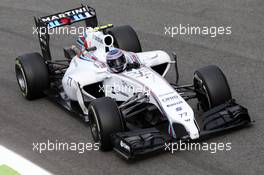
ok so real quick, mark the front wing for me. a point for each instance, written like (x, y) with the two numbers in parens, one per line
(227, 116)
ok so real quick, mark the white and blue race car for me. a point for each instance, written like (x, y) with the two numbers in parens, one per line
(121, 91)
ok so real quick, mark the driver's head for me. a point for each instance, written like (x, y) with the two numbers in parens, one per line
(116, 60)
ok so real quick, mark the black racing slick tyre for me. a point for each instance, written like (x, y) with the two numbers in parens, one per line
(105, 119)
(32, 75)
(211, 86)
(125, 38)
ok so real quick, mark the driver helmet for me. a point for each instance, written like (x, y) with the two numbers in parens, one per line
(116, 60)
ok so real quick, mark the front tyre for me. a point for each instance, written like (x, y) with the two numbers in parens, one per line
(211, 86)
(125, 38)
(32, 75)
(105, 119)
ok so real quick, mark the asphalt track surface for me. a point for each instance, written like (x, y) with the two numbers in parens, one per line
(240, 55)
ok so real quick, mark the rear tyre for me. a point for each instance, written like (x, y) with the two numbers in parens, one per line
(125, 38)
(32, 75)
(105, 119)
(212, 87)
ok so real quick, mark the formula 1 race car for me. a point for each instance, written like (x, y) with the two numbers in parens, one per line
(121, 91)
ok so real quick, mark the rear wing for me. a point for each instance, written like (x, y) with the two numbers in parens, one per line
(46, 23)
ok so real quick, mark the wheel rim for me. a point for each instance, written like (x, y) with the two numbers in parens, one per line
(21, 78)
(204, 99)
(94, 126)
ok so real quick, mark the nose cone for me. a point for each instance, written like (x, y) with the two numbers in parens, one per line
(192, 130)
(194, 135)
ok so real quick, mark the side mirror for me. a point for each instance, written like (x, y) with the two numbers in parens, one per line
(174, 56)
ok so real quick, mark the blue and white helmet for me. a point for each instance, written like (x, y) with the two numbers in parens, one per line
(116, 60)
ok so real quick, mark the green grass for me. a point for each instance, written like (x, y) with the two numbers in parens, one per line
(6, 170)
